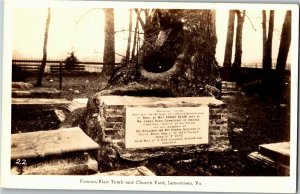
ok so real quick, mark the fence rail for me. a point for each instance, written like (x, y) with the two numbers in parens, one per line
(52, 66)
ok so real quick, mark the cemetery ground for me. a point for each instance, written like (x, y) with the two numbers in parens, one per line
(253, 120)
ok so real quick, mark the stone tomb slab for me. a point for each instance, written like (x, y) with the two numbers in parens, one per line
(45, 103)
(48, 143)
(138, 171)
(279, 152)
(45, 93)
(70, 164)
(24, 90)
(265, 161)
(118, 120)
(21, 86)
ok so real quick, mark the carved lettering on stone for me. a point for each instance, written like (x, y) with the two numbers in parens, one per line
(160, 127)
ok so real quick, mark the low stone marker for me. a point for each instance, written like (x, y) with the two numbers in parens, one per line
(62, 151)
(45, 103)
(277, 151)
(229, 88)
(21, 85)
(138, 171)
(139, 128)
(75, 164)
(44, 93)
(15, 93)
(273, 155)
(26, 90)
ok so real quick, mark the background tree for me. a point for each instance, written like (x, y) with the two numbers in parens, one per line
(284, 43)
(129, 36)
(267, 39)
(238, 41)
(109, 43)
(229, 40)
(138, 13)
(135, 36)
(44, 60)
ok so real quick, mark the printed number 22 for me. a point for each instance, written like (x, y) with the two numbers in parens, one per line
(21, 162)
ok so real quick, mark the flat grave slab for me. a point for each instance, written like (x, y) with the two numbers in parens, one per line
(20, 93)
(21, 86)
(138, 171)
(81, 100)
(156, 101)
(277, 151)
(76, 164)
(48, 143)
(229, 88)
(23, 89)
(281, 169)
(45, 103)
(44, 93)
(36, 93)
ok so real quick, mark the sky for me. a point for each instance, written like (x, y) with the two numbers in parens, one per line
(81, 30)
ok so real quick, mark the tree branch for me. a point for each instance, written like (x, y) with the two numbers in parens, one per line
(251, 22)
(87, 12)
(127, 31)
(139, 18)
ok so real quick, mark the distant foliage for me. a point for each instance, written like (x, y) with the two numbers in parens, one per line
(71, 61)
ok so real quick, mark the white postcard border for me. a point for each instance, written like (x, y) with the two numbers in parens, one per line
(215, 184)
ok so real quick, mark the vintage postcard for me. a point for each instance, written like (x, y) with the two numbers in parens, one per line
(150, 96)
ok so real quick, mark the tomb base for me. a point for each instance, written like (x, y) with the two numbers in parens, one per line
(140, 128)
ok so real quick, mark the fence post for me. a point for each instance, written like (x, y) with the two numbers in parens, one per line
(60, 75)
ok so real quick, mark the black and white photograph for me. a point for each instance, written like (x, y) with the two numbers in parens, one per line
(150, 96)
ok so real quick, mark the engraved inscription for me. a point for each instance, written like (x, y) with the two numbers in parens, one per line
(159, 127)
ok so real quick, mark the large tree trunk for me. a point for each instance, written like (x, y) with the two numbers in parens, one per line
(239, 35)
(267, 40)
(109, 44)
(129, 36)
(284, 43)
(177, 57)
(44, 60)
(229, 40)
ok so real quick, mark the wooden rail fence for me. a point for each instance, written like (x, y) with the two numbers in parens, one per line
(52, 66)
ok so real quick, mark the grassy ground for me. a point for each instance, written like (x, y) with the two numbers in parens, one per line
(253, 120)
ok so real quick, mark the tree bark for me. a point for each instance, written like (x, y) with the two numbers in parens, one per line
(267, 56)
(284, 43)
(269, 40)
(109, 44)
(138, 13)
(147, 15)
(176, 59)
(229, 40)
(239, 39)
(135, 38)
(264, 33)
(129, 36)
(44, 60)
